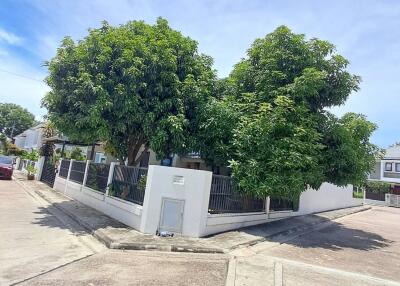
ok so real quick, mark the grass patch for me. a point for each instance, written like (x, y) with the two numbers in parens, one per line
(358, 195)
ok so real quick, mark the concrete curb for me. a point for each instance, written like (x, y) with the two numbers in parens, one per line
(231, 273)
(110, 243)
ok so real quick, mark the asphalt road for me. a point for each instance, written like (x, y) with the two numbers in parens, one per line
(360, 249)
(41, 246)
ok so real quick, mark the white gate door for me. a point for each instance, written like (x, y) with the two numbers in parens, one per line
(171, 215)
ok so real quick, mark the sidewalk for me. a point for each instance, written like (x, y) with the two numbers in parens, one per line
(116, 235)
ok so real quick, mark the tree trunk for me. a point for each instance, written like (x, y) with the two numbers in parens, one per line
(134, 145)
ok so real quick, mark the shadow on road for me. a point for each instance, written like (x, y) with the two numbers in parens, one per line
(337, 237)
(299, 231)
(90, 219)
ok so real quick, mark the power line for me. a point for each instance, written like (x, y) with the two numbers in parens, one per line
(20, 75)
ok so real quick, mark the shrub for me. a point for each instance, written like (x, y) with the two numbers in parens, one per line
(31, 170)
(141, 184)
(32, 156)
(377, 187)
(77, 154)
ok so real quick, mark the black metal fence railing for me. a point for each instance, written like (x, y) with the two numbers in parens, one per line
(129, 183)
(225, 199)
(279, 204)
(77, 172)
(97, 176)
(375, 196)
(64, 168)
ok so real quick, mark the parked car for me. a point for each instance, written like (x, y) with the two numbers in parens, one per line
(6, 167)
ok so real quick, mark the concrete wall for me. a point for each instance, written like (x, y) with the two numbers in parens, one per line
(123, 211)
(328, 197)
(222, 222)
(191, 186)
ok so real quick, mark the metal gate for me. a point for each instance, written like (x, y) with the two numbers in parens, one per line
(48, 172)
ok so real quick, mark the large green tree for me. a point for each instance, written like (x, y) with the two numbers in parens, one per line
(133, 85)
(281, 137)
(14, 119)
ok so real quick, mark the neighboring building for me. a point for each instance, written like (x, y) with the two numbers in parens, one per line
(33, 139)
(30, 139)
(388, 168)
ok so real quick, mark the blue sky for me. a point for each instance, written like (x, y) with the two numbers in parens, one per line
(366, 32)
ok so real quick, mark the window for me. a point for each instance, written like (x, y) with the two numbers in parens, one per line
(388, 167)
(398, 167)
(99, 158)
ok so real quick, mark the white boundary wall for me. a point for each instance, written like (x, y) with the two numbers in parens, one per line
(328, 197)
(193, 187)
(123, 211)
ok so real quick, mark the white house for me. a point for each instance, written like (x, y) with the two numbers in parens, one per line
(30, 139)
(388, 168)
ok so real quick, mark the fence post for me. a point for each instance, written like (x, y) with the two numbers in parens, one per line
(364, 196)
(267, 203)
(86, 172)
(69, 173)
(110, 176)
(39, 167)
(17, 162)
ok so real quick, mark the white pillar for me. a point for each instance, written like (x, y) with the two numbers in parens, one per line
(86, 172)
(110, 175)
(267, 204)
(17, 162)
(39, 167)
(363, 196)
(187, 185)
(69, 173)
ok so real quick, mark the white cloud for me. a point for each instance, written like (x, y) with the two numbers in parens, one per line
(9, 38)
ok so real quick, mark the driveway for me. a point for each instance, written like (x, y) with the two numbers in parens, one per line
(360, 249)
(42, 246)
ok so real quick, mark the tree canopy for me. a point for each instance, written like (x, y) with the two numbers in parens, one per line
(278, 136)
(147, 85)
(131, 85)
(14, 119)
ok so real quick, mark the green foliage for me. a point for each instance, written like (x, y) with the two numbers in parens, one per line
(47, 149)
(284, 63)
(214, 137)
(377, 187)
(112, 190)
(347, 155)
(33, 155)
(14, 116)
(7, 148)
(31, 170)
(271, 124)
(77, 154)
(141, 184)
(276, 150)
(358, 195)
(131, 85)
(12, 150)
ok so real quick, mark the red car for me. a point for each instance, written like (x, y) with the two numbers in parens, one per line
(6, 167)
